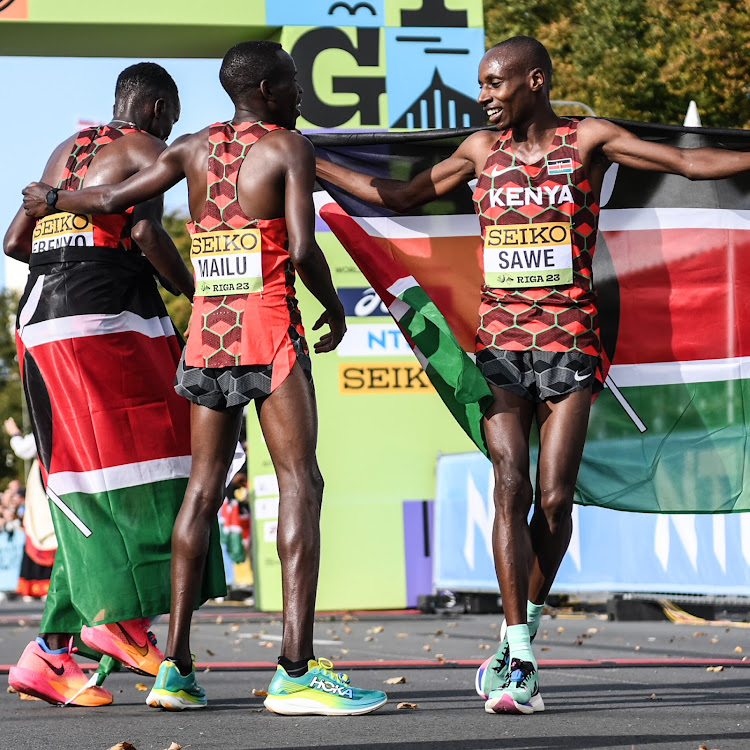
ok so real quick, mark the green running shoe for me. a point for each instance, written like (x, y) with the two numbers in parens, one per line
(520, 694)
(175, 692)
(320, 691)
(493, 672)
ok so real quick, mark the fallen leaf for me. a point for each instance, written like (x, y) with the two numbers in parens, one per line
(440, 657)
(560, 629)
(268, 645)
(702, 747)
(427, 647)
(259, 693)
(369, 637)
(206, 670)
(219, 620)
(483, 646)
(699, 634)
(140, 686)
(234, 628)
(27, 697)
(438, 632)
(455, 625)
(593, 630)
(402, 635)
(738, 650)
(545, 648)
(394, 680)
(714, 640)
(376, 629)
(637, 648)
(123, 746)
(347, 629)
(404, 705)
(174, 746)
(654, 697)
(209, 652)
(335, 637)
(344, 650)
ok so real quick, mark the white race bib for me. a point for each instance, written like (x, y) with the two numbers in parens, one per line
(527, 255)
(62, 230)
(227, 262)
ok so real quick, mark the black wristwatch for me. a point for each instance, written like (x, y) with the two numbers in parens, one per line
(51, 197)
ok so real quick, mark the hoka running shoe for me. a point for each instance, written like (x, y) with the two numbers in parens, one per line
(520, 693)
(175, 692)
(130, 642)
(320, 691)
(55, 678)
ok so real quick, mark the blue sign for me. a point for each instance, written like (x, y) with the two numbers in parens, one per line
(11, 553)
(609, 551)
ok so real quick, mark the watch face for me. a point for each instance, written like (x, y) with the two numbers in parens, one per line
(51, 197)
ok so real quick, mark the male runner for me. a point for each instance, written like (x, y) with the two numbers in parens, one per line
(98, 355)
(538, 343)
(250, 183)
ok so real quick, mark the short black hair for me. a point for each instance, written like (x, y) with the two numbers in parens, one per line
(146, 80)
(531, 51)
(249, 63)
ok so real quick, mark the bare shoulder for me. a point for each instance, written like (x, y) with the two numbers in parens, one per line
(595, 131)
(289, 149)
(477, 146)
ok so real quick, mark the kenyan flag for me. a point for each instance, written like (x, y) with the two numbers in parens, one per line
(668, 434)
(99, 354)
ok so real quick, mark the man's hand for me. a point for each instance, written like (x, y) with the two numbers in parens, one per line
(35, 200)
(337, 323)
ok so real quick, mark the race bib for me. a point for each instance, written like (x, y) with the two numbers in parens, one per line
(62, 230)
(227, 262)
(524, 255)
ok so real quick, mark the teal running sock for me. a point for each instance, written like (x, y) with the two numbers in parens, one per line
(520, 643)
(534, 617)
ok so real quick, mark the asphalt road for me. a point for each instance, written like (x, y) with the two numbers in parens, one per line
(605, 685)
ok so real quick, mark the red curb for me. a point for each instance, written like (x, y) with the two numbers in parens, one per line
(252, 666)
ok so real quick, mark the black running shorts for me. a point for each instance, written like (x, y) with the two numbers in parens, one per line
(221, 388)
(539, 376)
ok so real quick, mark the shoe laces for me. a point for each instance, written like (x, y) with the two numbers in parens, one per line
(325, 667)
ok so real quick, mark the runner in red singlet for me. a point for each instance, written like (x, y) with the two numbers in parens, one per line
(89, 297)
(250, 185)
(538, 343)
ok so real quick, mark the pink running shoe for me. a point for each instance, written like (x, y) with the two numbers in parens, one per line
(55, 678)
(129, 642)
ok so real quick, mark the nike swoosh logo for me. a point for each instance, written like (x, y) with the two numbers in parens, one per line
(142, 650)
(580, 377)
(59, 671)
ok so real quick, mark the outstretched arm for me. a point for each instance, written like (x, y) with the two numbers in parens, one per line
(401, 196)
(622, 147)
(156, 244)
(146, 184)
(307, 257)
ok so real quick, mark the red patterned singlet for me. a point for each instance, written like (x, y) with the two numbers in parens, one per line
(244, 278)
(539, 224)
(64, 235)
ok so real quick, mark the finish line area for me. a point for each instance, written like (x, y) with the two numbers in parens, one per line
(606, 684)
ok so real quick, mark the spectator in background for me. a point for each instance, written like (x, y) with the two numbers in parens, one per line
(41, 542)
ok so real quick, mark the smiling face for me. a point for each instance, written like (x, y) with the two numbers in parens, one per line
(508, 88)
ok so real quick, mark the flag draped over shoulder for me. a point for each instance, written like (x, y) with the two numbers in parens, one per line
(672, 271)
